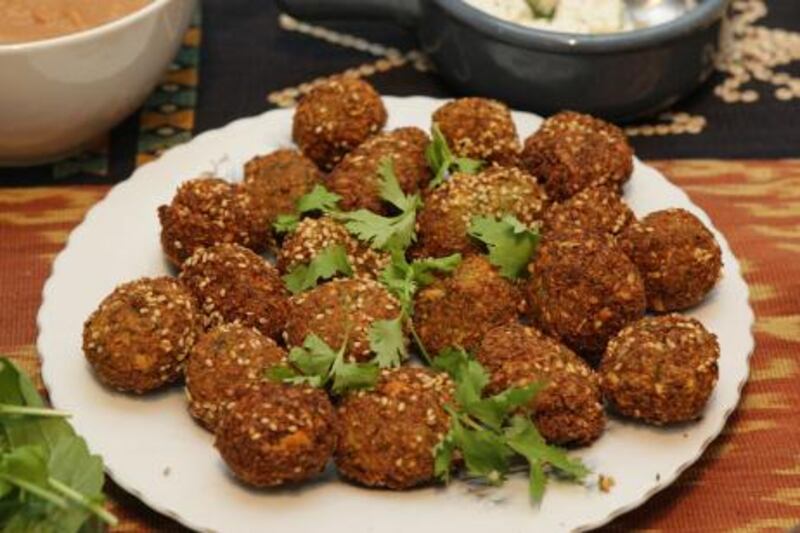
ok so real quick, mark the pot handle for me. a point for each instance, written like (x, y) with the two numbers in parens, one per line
(406, 12)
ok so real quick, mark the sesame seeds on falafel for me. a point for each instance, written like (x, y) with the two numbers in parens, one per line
(443, 223)
(233, 284)
(313, 235)
(338, 311)
(661, 369)
(479, 128)
(205, 212)
(387, 435)
(335, 117)
(140, 334)
(572, 151)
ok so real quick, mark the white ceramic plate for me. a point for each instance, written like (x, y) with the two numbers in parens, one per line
(153, 449)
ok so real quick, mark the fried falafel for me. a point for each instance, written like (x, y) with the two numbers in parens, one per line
(356, 178)
(205, 212)
(457, 310)
(277, 434)
(572, 151)
(224, 364)
(386, 436)
(443, 222)
(233, 284)
(594, 208)
(335, 117)
(479, 128)
(583, 289)
(569, 410)
(679, 258)
(141, 333)
(338, 311)
(661, 369)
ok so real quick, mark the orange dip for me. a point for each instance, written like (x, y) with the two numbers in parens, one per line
(33, 20)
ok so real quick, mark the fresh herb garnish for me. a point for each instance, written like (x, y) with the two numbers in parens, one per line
(511, 244)
(49, 481)
(543, 8)
(317, 364)
(381, 232)
(329, 262)
(318, 200)
(489, 434)
(403, 279)
(442, 161)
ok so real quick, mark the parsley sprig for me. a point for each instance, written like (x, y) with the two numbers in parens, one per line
(489, 434)
(389, 233)
(443, 162)
(325, 265)
(511, 244)
(49, 480)
(318, 200)
(315, 363)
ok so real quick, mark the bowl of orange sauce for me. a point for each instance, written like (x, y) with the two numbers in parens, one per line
(72, 69)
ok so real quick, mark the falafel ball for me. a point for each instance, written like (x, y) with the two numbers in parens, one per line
(278, 434)
(313, 235)
(572, 151)
(569, 409)
(583, 289)
(443, 222)
(205, 212)
(233, 284)
(661, 369)
(140, 335)
(335, 117)
(479, 128)
(387, 435)
(594, 208)
(356, 178)
(458, 309)
(224, 364)
(679, 258)
(276, 181)
(342, 309)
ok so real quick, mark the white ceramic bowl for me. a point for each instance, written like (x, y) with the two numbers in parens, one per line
(58, 94)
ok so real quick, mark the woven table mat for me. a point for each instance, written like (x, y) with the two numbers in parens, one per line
(747, 481)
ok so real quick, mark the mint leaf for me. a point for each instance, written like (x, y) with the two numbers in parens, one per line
(511, 244)
(388, 341)
(329, 262)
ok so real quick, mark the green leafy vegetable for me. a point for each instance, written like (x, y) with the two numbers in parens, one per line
(329, 262)
(511, 244)
(386, 233)
(319, 199)
(489, 435)
(388, 341)
(49, 481)
(403, 279)
(443, 162)
(317, 364)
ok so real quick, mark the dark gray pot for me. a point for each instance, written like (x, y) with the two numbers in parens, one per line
(619, 76)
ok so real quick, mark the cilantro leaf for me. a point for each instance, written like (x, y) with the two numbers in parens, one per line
(403, 279)
(442, 161)
(48, 478)
(319, 199)
(329, 262)
(353, 376)
(388, 341)
(493, 411)
(511, 244)
(318, 365)
(523, 437)
(443, 457)
(485, 453)
(381, 232)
